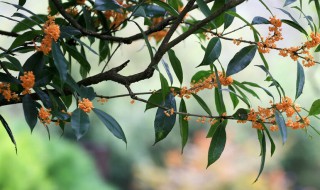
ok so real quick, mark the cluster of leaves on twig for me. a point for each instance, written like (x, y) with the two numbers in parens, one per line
(46, 88)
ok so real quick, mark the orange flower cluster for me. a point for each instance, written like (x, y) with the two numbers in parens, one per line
(116, 18)
(168, 113)
(27, 81)
(52, 32)
(7, 93)
(265, 45)
(204, 120)
(207, 83)
(85, 105)
(72, 11)
(267, 115)
(44, 115)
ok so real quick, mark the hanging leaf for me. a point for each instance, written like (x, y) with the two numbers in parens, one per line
(87, 92)
(202, 103)
(282, 126)
(241, 60)
(155, 98)
(233, 97)
(7, 128)
(111, 124)
(184, 124)
(200, 75)
(315, 108)
(241, 114)
(300, 80)
(167, 69)
(295, 26)
(79, 58)
(212, 52)
(25, 37)
(217, 143)
(228, 19)
(214, 128)
(263, 146)
(164, 86)
(259, 20)
(36, 64)
(162, 123)
(59, 61)
(258, 86)
(242, 86)
(80, 123)
(176, 65)
(30, 111)
(273, 146)
(288, 2)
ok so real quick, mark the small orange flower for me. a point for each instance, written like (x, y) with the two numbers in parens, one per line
(27, 81)
(44, 116)
(52, 32)
(85, 105)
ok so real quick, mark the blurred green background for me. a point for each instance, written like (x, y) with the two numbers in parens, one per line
(100, 161)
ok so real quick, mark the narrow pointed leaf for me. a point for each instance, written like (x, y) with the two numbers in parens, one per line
(212, 52)
(217, 143)
(300, 80)
(7, 128)
(202, 104)
(167, 7)
(241, 60)
(260, 20)
(167, 69)
(164, 86)
(184, 124)
(103, 5)
(155, 98)
(263, 147)
(162, 123)
(59, 61)
(233, 97)
(30, 111)
(282, 126)
(111, 124)
(200, 75)
(295, 25)
(315, 108)
(80, 123)
(273, 146)
(176, 65)
(288, 2)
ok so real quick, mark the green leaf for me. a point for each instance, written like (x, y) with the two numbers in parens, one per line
(233, 97)
(217, 143)
(288, 2)
(217, 5)
(212, 52)
(87, 92)
(200, 75)
(27, 36)
(80, 59)
(164, 86)
(7, 128)
(263, 146)
(155, 98)
(59, 61)
(241, 60)
(184, 124)
(176, 65)
(295, 25)
(300, 80)
(67, 31)
(317, 4)
(162, 123)
(241, 114)
(103, 5)
(253, 93)
(202, 104)
(80, 123)
(15, 62)
(243, 97)
(214, 128)
(9, 79)
(27, 10)
(22, 2)
(228, 19)
(221, 108)
(30, 111)
(36, 64)
(259, 20)
(282, 126)
(111, 124)
(167, 7)
(167, 69)
(203, 8)
(315, 108)
(145, 37)
(88, 22)
(258, 86)
(44, 97)
(273, 146)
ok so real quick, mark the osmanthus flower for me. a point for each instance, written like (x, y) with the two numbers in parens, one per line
(5, 91)
(44, 115)
(27, 81)
(52, 32)
(85, 104)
